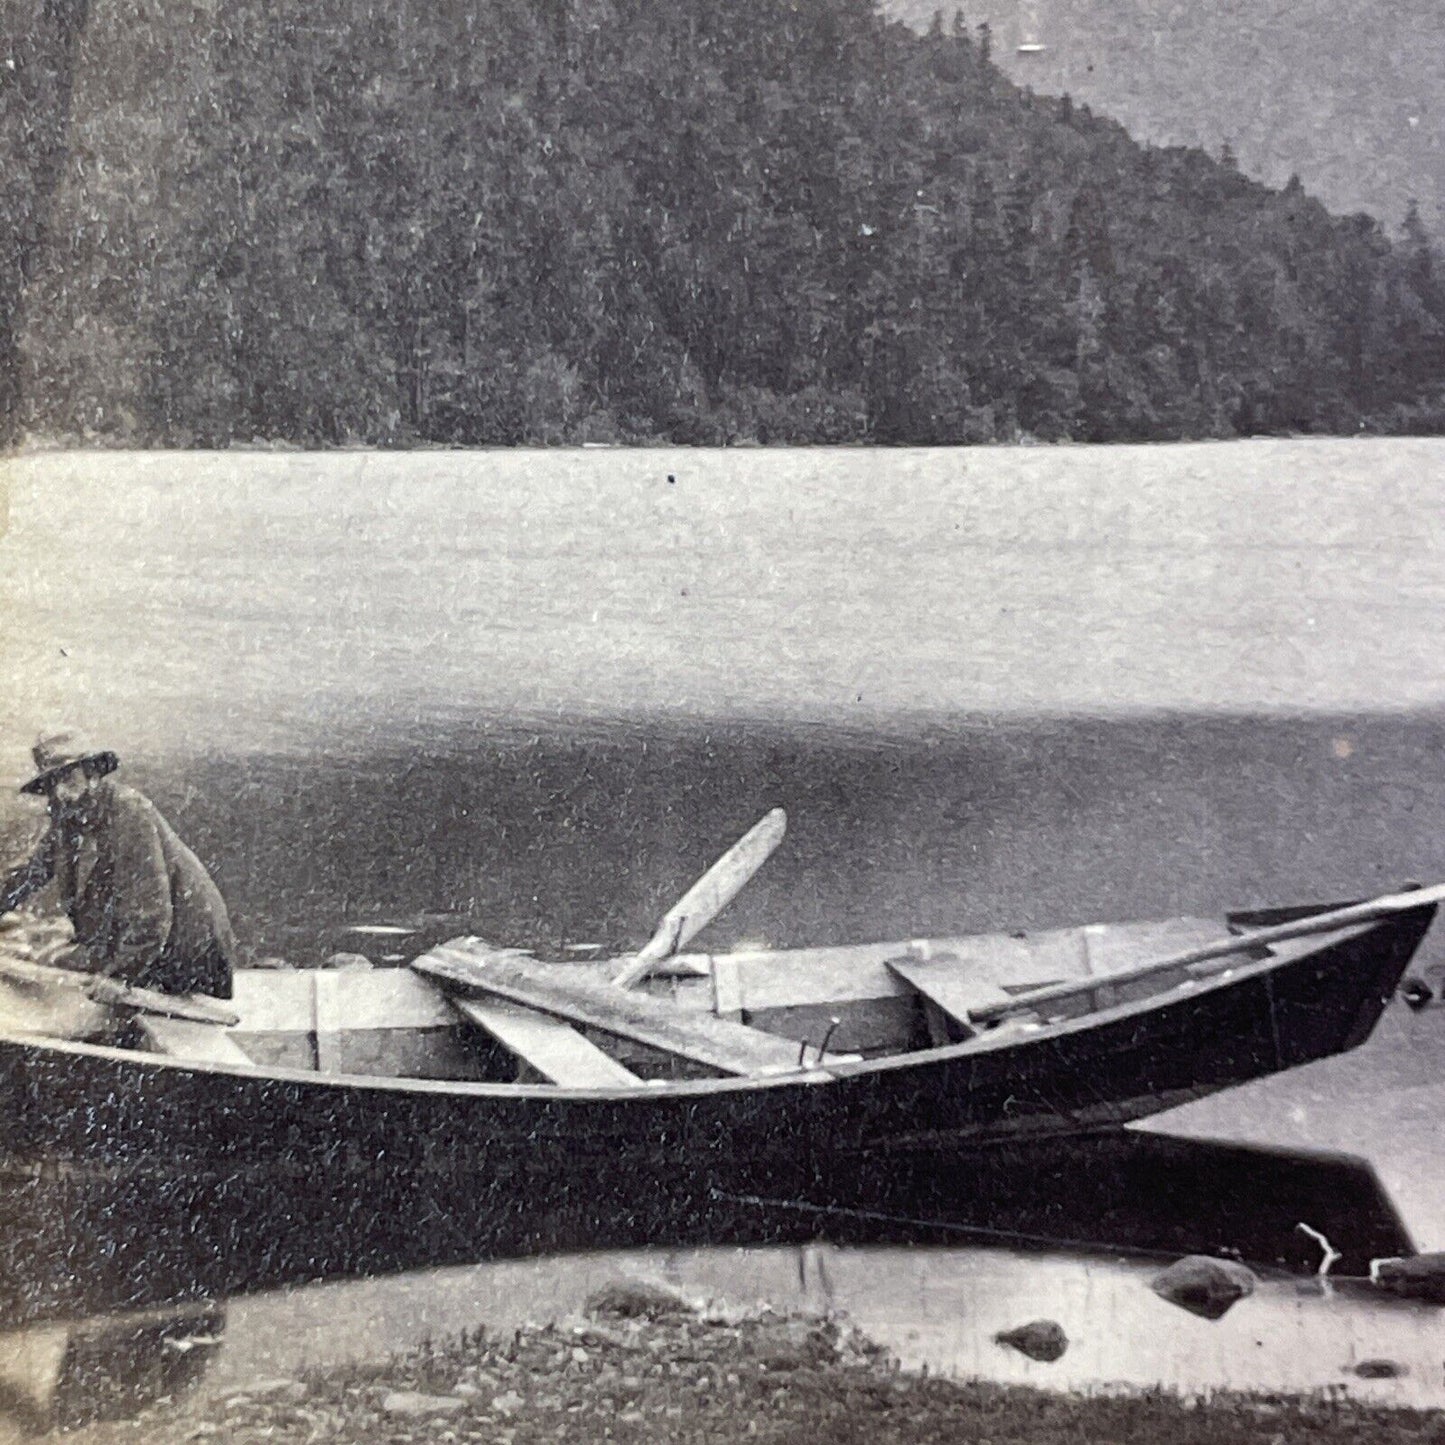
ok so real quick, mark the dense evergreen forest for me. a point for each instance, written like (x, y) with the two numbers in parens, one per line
(542, 221)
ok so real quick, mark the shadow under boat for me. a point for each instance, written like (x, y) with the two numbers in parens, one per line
(116, 1291)
(71, 1247)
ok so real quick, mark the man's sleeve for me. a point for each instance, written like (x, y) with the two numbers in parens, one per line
(31, 876)
(141, 923)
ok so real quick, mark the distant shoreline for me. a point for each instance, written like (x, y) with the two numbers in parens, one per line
(29, 447)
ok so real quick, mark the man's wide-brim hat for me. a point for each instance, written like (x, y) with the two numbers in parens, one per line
(58, 752)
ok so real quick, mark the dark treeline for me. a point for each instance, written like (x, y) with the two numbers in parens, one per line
(506, 221)
(37, 51)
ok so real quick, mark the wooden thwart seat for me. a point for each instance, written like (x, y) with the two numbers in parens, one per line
(947, 989)
(553, 1048)
(196, 1043)
(581, 996)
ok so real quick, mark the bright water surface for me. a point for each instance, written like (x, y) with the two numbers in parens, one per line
(225, 600)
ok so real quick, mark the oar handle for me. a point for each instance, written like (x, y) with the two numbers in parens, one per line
(1329, 922)
(112, 993)
(115, 994)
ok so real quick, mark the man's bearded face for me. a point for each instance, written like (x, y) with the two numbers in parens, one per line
(71, 789)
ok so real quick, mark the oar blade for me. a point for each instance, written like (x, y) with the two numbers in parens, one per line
(708, 896)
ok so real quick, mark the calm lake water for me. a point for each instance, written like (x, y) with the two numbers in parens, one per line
(531, 696)
(184, 600)
(993, 686)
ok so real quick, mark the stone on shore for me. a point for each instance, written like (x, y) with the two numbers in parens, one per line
(1379, 1370)
(783, 1345)
(1204, 1286)
(413, 1402)
(635, 1299)
(277, 1389)
(1418, 1276)
(1042, 1340)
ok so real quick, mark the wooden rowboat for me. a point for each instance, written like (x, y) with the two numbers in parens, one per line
(482, 1058)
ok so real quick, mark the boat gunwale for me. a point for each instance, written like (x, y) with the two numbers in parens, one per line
(987, 1043)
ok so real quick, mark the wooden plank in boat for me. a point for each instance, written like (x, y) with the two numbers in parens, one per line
(200, 1043)
(948, 984)
(1057, 955)
(727, 988)
(798, 977)
(874, 1026)
(582, 996)
(707, 897)
(754, 981)
(553, 1048)
(384, 998)
(326, 1022)
(1025, 960)
(1116, 947)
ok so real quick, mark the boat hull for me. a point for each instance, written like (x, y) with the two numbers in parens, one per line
(89, 1105)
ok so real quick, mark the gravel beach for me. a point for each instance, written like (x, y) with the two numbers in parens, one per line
(642, 1366)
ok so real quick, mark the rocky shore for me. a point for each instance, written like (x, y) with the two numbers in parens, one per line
(643, 1366)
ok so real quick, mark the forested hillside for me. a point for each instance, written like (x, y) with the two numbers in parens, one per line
(504, 221)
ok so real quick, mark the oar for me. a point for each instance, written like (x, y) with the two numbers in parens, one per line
(114, 994)
(168, 1005)
(1330, 922)
(707, 897)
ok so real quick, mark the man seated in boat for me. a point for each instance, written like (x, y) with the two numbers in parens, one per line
(144, 910)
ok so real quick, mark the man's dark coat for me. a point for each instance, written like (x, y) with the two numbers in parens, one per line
(142, 905)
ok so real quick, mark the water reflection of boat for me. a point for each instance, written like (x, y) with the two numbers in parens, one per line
(62, 1374)
(482, 1054)
(81, 1245)
(72, 1248)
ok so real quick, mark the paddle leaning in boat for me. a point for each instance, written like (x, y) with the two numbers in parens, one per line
(475, 1052)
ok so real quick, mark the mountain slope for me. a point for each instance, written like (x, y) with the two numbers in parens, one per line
(1348, 93)
(396, 221)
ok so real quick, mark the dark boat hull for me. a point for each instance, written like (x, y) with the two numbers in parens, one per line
(92, 1106)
